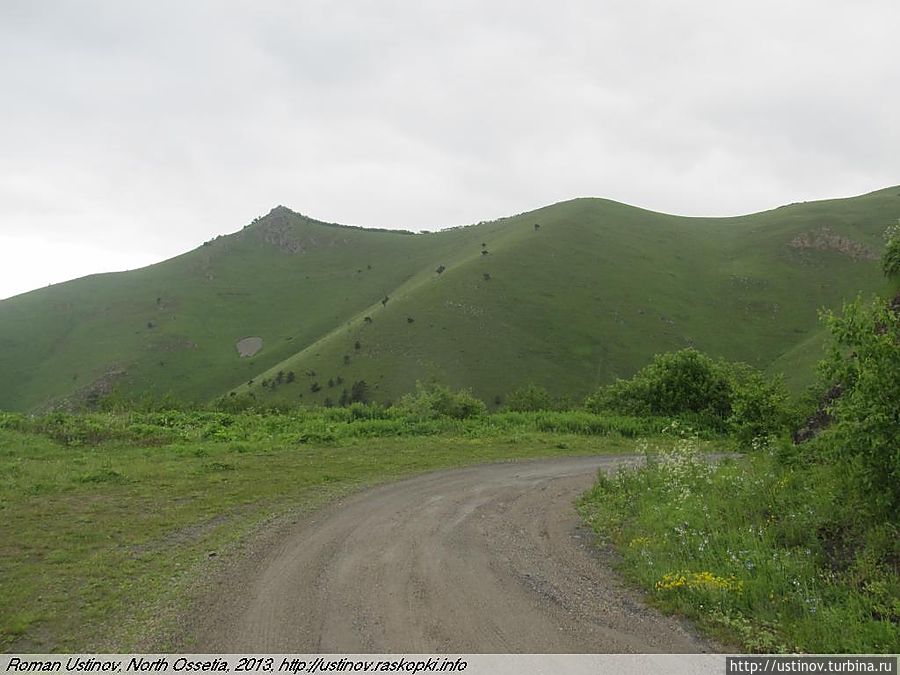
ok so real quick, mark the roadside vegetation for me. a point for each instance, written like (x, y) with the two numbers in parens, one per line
(794, 546)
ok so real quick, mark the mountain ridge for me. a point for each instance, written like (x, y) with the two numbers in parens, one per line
(568, 296)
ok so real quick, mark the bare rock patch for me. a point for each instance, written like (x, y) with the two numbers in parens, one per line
(825, 239)
(249, 346)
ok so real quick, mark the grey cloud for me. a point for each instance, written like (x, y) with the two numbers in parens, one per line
(161, 124)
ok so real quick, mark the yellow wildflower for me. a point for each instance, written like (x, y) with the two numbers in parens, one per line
(700, 581)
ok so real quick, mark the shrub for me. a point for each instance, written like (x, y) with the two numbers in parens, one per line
(760, 406)
(440, 401)
(685, 381)
(864, 360)
(707, 394)
(530, 398)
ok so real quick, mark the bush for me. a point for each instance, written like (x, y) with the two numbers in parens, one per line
(530, 398)
(864, 360)
(707, 394)
(685, 381)
(439, 401)
(760, 406)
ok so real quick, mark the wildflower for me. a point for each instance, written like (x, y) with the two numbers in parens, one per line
(699, 581)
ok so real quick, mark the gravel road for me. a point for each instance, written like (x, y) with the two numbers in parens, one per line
(488, 559)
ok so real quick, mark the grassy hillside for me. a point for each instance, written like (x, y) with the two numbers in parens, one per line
(589, 295)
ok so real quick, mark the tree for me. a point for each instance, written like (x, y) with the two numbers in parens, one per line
(357, 346)
(685, 381)
(440, 269)
(344, 400)
(864, 360)
(290, 376)
(359, 392)
(314, 387)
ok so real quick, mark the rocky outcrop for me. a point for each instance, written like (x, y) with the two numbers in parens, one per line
(825, 239)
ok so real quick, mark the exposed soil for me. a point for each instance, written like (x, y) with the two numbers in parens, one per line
(484, 559)
(824, 239)
(249, 346)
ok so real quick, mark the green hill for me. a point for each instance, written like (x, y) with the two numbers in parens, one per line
(568, 296)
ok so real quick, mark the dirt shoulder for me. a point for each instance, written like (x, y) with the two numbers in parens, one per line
(485, 559)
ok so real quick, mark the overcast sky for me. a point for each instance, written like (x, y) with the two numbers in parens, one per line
(133, 131)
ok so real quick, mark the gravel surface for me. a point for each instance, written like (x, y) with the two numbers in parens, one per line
(489, 559)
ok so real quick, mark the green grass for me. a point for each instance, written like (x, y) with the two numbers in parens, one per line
(107, 520)
(591, 295)
(763, 555)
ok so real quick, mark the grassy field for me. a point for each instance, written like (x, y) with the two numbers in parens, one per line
(107, 520)
(579, 292)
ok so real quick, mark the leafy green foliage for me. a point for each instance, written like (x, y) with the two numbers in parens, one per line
(864, 359)
(439, 401)
(531, 397)
(685, 381)
(760, 405)
(708, 393)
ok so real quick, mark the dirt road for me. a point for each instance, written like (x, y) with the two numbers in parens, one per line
(484, 559)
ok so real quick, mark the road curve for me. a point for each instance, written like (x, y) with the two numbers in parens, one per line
(488, 559)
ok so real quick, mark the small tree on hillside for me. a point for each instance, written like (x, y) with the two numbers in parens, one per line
(359, 392)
